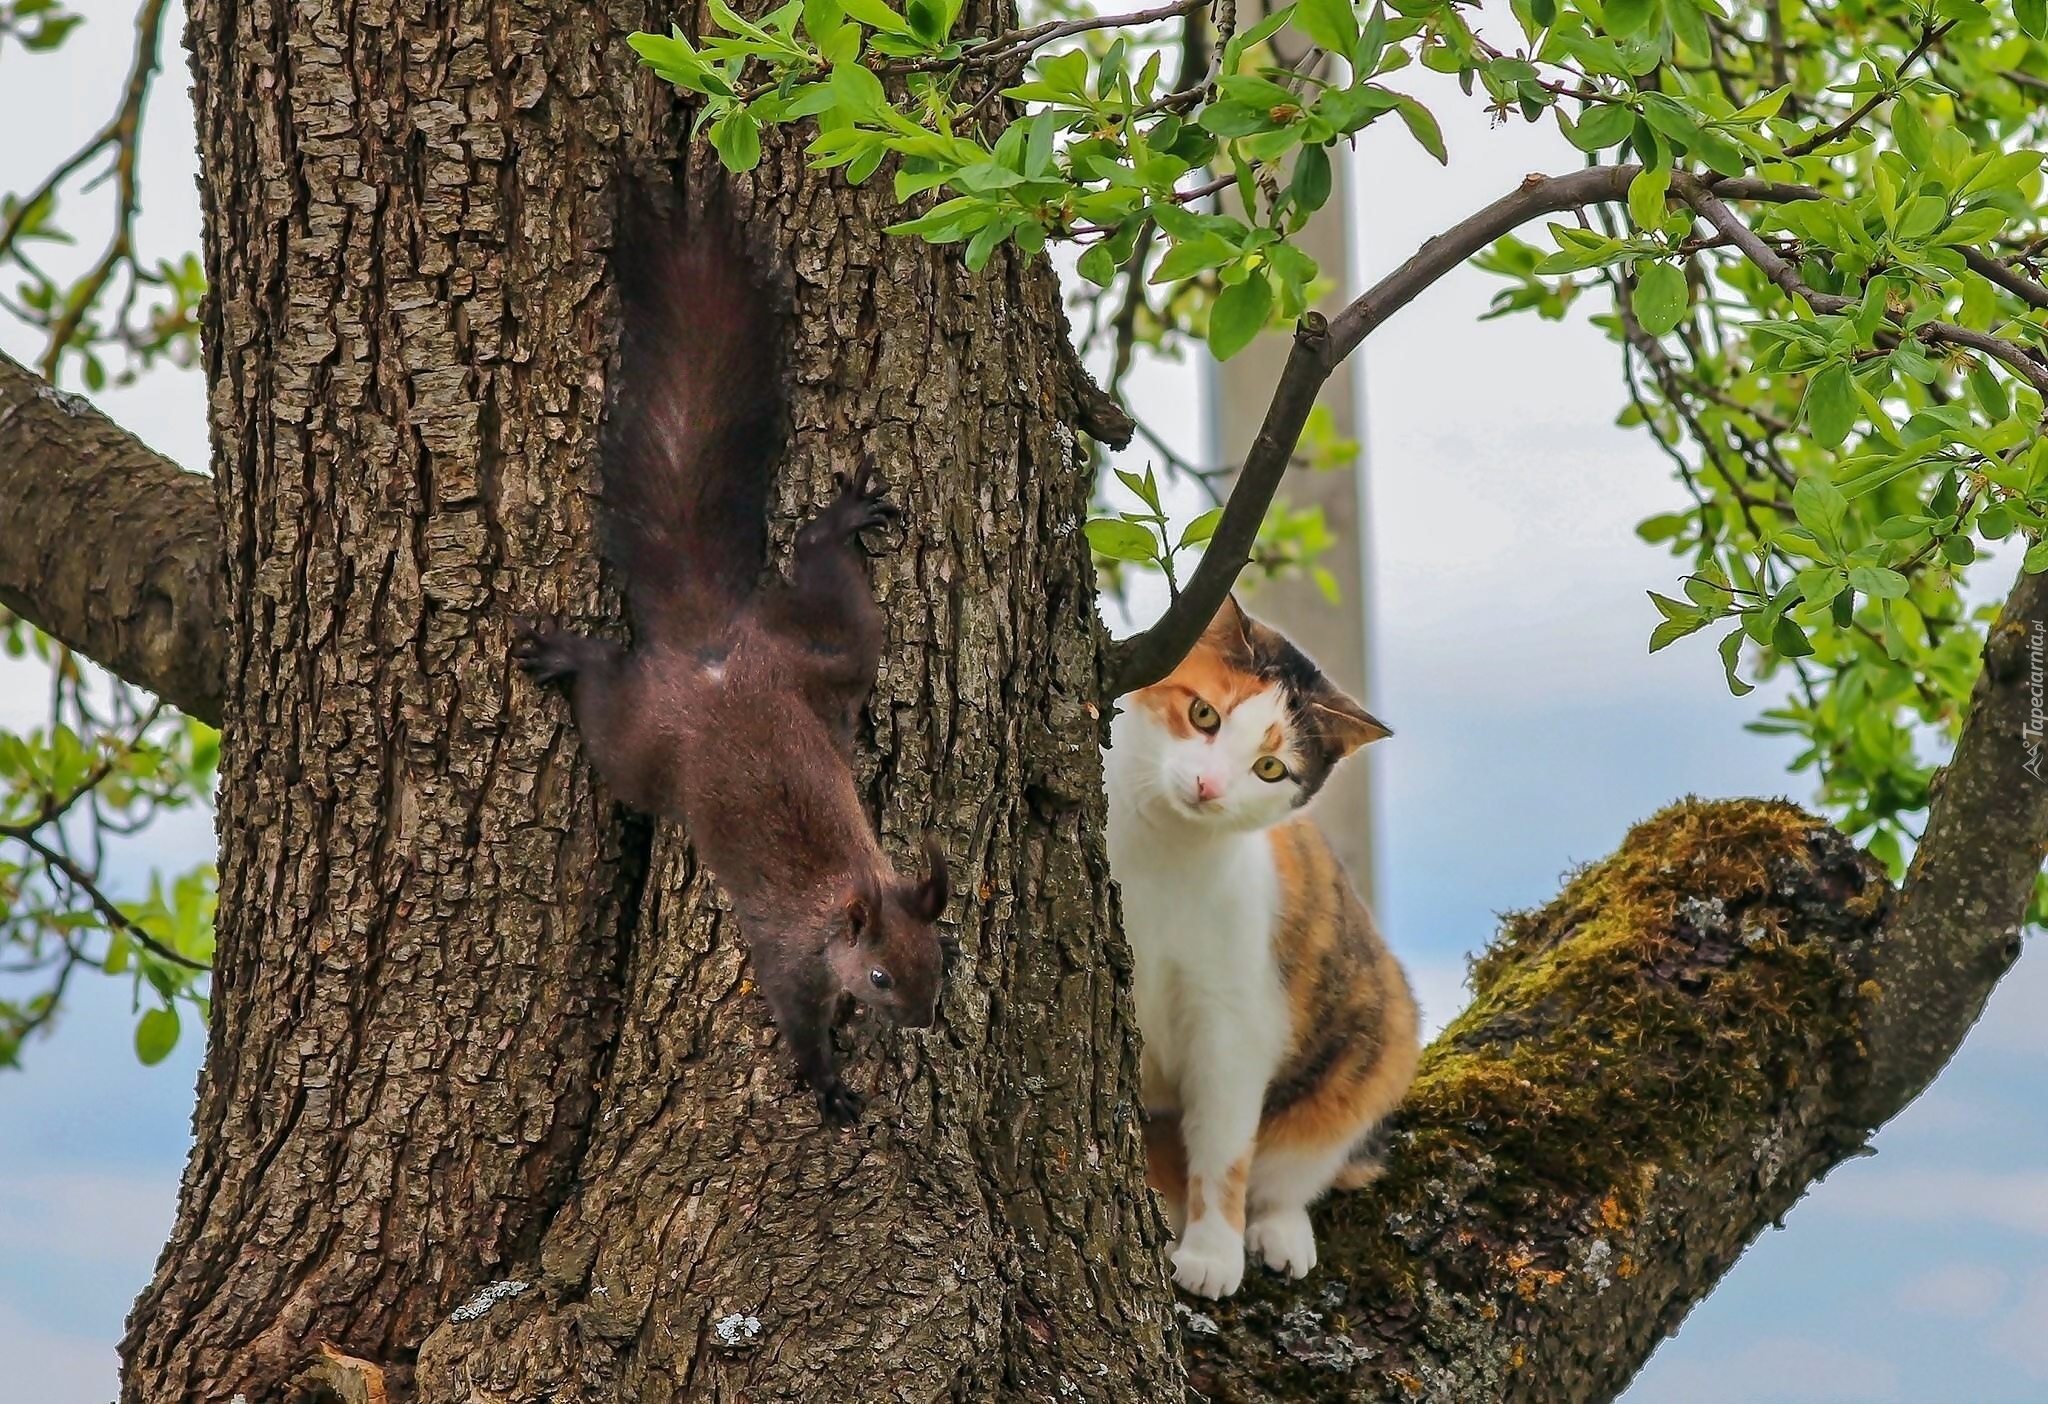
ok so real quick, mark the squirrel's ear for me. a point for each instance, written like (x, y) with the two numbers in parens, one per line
(859, 914)
(927, 899)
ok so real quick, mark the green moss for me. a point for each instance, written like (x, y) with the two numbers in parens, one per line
(1652, 1000)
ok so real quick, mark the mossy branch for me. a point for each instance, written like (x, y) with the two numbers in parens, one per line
(1653, 1069)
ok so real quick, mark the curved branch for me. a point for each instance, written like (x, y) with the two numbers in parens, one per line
(109, 547)
(1707, 203)
(2007, 277)
(1319, 348)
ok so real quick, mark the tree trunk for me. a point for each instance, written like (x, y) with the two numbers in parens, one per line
(472, 1025)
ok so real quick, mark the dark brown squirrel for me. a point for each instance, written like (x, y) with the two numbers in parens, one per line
(735, 709)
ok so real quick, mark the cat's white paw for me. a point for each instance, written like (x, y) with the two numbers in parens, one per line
(1210, 1261)
(1284, 1240)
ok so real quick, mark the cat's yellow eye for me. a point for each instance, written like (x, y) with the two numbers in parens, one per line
(1205, 717)
(1270, 768)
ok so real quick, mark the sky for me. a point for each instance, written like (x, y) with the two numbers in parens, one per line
(1509, 630)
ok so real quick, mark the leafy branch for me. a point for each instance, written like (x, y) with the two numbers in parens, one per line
(72, 316)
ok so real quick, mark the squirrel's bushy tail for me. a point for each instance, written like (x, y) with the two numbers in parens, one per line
(693, 430)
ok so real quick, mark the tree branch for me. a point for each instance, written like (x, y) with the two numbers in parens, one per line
(1320, 346)
(1957, 926)
(1929, 36)
(2007, 277)
(1712, 209)
(109, 547)
(1653, 1070)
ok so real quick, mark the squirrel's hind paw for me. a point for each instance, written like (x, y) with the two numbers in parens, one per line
(839, 1104)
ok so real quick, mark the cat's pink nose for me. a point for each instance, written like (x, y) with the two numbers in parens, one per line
(1206, 789)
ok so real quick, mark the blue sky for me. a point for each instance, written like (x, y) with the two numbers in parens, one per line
(1531, 729)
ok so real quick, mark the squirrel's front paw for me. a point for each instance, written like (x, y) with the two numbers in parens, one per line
(839, 1104)
(544, 653)
(863, 502)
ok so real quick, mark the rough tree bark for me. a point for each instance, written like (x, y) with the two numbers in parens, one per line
(490, 1112)
(471, 1025)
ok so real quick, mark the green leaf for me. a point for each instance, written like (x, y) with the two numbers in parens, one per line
(1830, 410)
(1909, 130)
(1646, 197)
(1878, 582)
(1422, 126)
(1202, 527)
(875, 15)
(1990, 392)
(737, 139)
(1659, 298)
(1731, 653)
(1820, 506)
(2036, 559)
(983, 245)
(1789, 639)
(1330, 23)
(1311, 186)
(1602, 127)
(1098, 265)
(1672, 609)
(156, 1034)
(1146, 488)
(1239, 314)
(1672, 630)
(1122, 541)
(1626, 17)
(1193, 256)
(2033, 17)
(1667, 526)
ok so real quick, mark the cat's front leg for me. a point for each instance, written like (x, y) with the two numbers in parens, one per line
(1220, 1125)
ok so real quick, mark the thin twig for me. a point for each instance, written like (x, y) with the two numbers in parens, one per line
(1781, 272)
(82, 881)
(1929, 36)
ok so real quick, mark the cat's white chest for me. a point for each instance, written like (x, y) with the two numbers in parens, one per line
(1201, 930)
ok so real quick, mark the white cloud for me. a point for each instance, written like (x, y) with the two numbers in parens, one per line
(1777, 1370)
(2021, 1337)
(1953, 1291)
(52, 1365)
(2015, 1200)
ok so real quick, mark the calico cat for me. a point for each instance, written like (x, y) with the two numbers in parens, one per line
(1279, 1031)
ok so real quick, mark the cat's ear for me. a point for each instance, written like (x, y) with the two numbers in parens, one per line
(1346, 725)
(1230, 632)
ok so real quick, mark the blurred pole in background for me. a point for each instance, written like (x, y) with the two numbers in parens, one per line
(1334, 635)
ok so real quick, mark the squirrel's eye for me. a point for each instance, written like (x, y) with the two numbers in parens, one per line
(1270, 768)
(1203, 715)
(880, 979)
